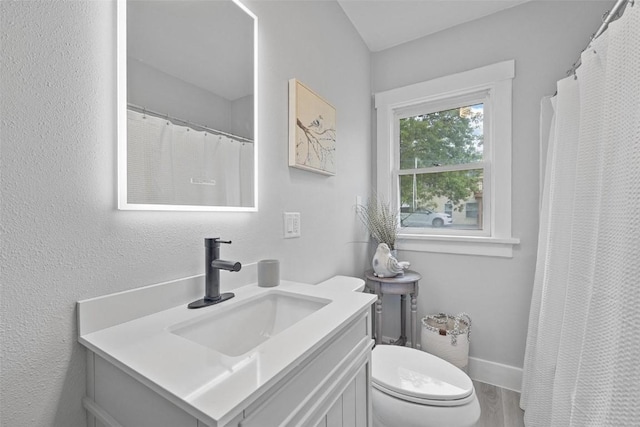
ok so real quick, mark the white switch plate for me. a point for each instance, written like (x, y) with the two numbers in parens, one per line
(291, 225)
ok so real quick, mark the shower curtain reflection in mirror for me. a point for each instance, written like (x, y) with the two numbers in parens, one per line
(187, 76)
(169, 164)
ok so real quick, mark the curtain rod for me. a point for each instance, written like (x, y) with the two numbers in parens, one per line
(180, 122)
(609, 16)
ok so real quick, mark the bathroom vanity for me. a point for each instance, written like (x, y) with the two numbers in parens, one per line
(292, 355)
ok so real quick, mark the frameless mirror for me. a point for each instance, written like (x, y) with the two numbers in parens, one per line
(187, 97)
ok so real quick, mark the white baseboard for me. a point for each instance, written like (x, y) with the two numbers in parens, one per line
(494, 373)
(485, 371)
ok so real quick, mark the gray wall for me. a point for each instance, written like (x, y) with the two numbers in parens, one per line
(155, 90)
(544, 38)
(63, 239)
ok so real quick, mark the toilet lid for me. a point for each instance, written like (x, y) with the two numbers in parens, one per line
(417, 375)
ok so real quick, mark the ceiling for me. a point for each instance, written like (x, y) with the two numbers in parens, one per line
(387, 23)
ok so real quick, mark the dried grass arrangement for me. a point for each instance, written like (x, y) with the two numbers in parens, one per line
(380, 220)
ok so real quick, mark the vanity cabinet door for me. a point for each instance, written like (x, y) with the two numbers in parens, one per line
(350, 409)
(132, 404)
(329, 386)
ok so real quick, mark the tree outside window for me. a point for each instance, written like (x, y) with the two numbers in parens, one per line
(441, 156)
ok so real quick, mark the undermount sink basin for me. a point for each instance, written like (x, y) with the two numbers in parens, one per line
(246, 325)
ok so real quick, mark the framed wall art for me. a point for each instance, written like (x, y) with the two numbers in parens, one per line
(312, 130)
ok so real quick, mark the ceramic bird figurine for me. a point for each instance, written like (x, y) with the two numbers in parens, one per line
(385, 264)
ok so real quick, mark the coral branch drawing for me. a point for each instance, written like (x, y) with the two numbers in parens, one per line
(312, 130)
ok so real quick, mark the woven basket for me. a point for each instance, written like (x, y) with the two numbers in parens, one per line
(443, 335)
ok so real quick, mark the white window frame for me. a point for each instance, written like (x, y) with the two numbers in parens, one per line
(495, 81)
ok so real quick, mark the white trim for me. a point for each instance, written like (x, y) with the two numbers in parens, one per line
(464, 245)
(446, 86)
(496, 80)
(498, 374)
(444, 168)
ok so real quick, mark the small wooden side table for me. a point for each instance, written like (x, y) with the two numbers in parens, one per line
(398, 285)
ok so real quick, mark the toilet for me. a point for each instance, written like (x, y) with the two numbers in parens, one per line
(411, 388)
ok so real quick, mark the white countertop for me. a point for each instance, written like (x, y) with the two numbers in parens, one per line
(209, 385)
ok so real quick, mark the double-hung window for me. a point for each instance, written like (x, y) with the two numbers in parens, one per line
(444, 161)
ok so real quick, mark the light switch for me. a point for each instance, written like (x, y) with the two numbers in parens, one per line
(291, 225)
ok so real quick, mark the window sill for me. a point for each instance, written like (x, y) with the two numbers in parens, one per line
(462, 245)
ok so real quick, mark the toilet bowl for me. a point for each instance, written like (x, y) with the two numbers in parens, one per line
(412, 388)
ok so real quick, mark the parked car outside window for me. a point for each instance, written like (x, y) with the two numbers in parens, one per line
(424, 218)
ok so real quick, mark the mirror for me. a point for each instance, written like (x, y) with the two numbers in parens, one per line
(187, 105)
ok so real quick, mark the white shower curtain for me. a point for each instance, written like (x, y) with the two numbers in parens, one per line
(582, 363)
(172, 164)
(148, 153)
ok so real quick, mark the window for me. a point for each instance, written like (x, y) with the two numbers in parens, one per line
(441, 160)
(471, 210)
(444, 161)
(448, 208)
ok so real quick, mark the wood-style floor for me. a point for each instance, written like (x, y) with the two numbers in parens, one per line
(500, 407)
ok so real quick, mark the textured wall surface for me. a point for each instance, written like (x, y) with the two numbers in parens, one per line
(544, 38)
(63, 239)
